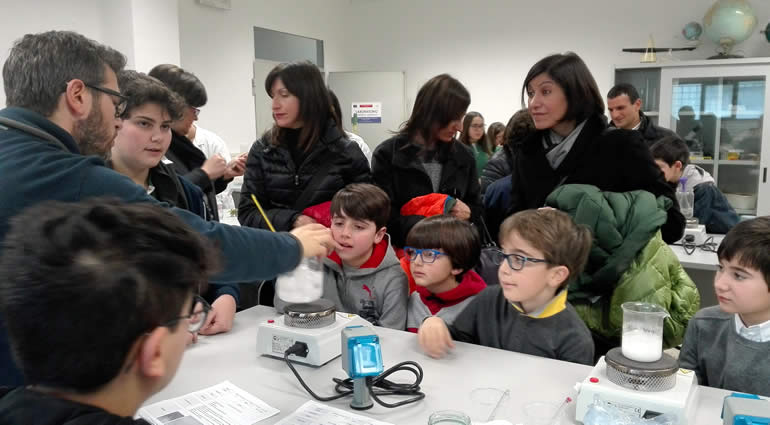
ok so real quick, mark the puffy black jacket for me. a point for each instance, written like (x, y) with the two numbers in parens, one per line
(498, 167)
(614, 161)
(277, 182)
(397, 169)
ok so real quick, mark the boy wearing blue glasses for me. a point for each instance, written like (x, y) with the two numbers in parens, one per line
(542, 250)
(439, 257)
(99, 301)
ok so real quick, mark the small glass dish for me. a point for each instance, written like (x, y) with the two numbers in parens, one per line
(449, 417)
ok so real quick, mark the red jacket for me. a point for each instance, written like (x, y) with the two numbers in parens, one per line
(321, 213)
(429, 205)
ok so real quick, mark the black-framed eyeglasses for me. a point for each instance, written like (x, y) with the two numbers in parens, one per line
(428, 256)
(120, 107)
(197, 317)
(515, 261)
(196, 111)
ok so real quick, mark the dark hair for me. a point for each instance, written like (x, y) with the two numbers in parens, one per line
(303, 80)
(483, 142)
(670, 149)
(493, 130)
(142, 89)
(362, 201)
(555, 234)
(181, 82)
(336, 109)
(440, 101)
(572, 75)
(624, 89)
(80, 282)
(749, 243)
(39, 67)
(458, 238)
(519, 126)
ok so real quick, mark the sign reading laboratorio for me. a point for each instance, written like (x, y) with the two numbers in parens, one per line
(368, 112)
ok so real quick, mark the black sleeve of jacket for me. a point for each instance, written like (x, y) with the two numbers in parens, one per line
(199, 178)
(642, 171)
(382, 169)
(497, 168)
(254, 183)
(220, 184)
(473, 195)
(517, 198)
(359, 172)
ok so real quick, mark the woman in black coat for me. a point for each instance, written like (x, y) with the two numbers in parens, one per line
(573, 145)
(304, 145)
(425, 157)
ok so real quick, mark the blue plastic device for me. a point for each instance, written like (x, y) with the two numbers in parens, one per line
(361, 352)
(745, 409)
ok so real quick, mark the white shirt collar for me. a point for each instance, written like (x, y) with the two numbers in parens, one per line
(636, 127)
(756, 333)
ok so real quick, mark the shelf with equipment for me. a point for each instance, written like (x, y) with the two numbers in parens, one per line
(718, 107)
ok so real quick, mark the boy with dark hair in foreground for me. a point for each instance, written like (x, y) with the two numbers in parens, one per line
(99, 299)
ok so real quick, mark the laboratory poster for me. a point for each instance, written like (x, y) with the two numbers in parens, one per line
(367, 113)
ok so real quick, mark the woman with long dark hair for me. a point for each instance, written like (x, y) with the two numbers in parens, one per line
(304, 159)
(573, 145)
(424, 157)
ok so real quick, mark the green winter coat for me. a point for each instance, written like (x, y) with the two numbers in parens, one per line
(628, 261)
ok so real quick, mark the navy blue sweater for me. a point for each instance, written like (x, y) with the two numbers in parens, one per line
(33, 170)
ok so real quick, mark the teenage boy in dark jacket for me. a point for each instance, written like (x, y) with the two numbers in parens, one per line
(99, 302)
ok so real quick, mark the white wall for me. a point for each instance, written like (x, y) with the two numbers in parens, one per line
(18, 18)
(217, 45)
(155, 33)
(490, 45)
(146, 31)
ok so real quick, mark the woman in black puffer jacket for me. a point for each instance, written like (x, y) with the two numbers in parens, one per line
(287, 158)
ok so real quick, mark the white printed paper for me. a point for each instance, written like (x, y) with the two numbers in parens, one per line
(222, 404)
(313, 412)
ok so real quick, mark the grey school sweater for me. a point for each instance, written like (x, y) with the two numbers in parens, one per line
(721, 358)
(377, 291)
(556, 332)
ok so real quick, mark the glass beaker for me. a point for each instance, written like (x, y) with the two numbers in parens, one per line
(303, 284)
(643, 331)
(449, 417)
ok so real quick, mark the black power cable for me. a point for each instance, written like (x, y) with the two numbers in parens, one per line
(378, 386)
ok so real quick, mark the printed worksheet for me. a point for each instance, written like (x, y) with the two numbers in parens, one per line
(222, 404)
(316, 413)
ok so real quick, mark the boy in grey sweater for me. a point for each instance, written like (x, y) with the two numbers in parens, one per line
(728, 345)
(528, 313)
(364, 276)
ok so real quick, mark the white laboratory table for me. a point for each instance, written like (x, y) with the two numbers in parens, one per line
(699, 259)
(448, 382)
(701, 266)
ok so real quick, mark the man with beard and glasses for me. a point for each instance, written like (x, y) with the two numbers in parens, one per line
(63, 113)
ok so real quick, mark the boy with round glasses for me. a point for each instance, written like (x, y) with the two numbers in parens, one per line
(98, 299)
(439, 257)
(542, 250)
